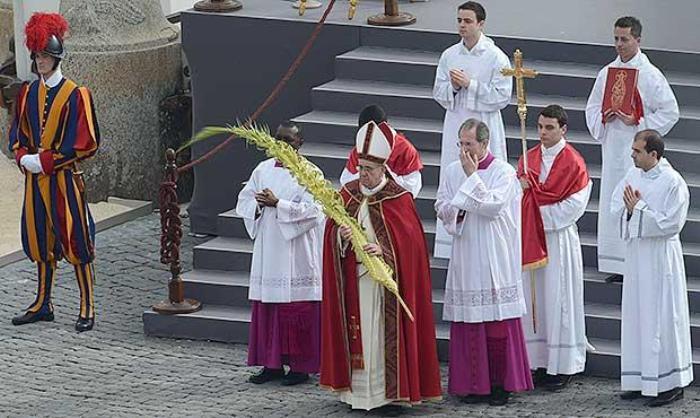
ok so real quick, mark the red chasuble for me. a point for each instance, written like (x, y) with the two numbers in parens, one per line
(567, 177)
(404, 158)
(412, 371)
(621, 93)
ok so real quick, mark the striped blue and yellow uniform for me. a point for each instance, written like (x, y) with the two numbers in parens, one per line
(59, 124)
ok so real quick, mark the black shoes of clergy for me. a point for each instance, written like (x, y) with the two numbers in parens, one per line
(663, 398)
(498, 397)
(31, 317)
(294, 378)
(267, 375)
(553, 382)
(615, 278)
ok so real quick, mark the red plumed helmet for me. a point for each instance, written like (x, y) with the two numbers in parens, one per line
(45, 32)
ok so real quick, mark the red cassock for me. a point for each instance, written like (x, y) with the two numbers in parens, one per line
(412, 371)
(404, 158)
(568, 176)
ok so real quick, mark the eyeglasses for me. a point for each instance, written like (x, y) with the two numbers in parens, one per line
(367, 168)
(460, 144)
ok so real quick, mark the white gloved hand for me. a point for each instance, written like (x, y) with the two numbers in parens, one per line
(31, 162)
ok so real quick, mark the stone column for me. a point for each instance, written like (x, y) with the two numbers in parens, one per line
(6, 28)
(129, 56)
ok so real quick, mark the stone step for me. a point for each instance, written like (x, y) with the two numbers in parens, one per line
(218, 287)
(227, 324)
(223, 253)
(598, 291)
(331, 158)
(410, 100)
(691, 254)
(596, 55)
(230, 325)
(226, 263)
(426, 135)
(604, 361)
(554, 78)
(206, 253)
(604, 322)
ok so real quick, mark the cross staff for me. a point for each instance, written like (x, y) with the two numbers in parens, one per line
(520, 74)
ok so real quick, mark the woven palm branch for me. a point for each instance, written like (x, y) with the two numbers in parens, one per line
(322, 191)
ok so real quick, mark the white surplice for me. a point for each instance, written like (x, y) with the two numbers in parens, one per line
(660, 113)
(656, 346)
(484, 275)
(287, 258)
(559, 345)
(368, 387)
(488, 92)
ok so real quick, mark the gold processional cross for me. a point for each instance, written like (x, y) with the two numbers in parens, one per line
(520, 73)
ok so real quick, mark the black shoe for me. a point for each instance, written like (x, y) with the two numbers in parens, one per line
(31, 317)
(294, 378)
(665, 398)
(390, 410)
(499, 397)
(539, 376)
(84, 324)
(266, 375)
(615, 278)
(558, 381)
(474, 399)
(631, 395)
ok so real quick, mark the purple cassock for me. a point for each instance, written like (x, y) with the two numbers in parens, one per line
(285, 334)
(488, 354)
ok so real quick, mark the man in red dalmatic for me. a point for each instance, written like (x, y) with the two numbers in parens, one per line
(371, 351)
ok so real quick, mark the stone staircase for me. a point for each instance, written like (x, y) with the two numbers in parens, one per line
(399, 78)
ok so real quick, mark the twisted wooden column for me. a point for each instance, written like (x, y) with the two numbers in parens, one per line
(171, 237)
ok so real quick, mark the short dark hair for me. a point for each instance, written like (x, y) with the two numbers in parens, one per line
(652, 141)
(373, 113)
(557, 112)
(482, 130)
(475, 7)
(630, 22)
(290, 125)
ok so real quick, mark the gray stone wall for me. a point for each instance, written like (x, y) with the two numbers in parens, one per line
(6, 31)
(6, 28)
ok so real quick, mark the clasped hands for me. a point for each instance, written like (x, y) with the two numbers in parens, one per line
(266, 198)
(459, 79)
(628, 120)
(371, 249)
(631, 197)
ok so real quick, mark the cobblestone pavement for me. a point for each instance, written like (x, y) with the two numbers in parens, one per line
(48, 369)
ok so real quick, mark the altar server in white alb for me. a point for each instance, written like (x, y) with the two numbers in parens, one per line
(556, 192)
(469, 84)
(285, 275)
(650, 206)
(657, 109)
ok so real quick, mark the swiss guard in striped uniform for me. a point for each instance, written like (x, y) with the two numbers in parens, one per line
(54, 128)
